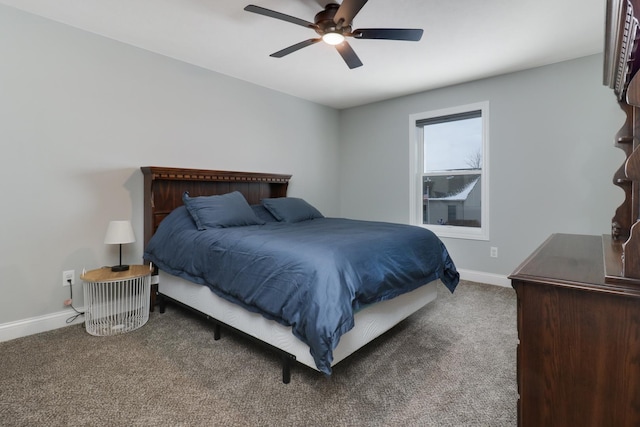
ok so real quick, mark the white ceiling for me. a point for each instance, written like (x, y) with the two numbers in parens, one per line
(463, 40)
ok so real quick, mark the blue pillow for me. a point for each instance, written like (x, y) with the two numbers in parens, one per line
(226, 210)
(291, 209)
(263, 214)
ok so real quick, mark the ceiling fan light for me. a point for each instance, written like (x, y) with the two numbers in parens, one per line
(333, 38)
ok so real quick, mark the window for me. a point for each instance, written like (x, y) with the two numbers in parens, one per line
(449, 171)
(452, 213)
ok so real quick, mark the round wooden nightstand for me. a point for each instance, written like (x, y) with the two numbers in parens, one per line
(116, 302)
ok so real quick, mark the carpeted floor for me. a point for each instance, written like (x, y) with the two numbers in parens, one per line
(451, 364)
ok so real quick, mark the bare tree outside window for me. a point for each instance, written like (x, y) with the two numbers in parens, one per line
(474, 161)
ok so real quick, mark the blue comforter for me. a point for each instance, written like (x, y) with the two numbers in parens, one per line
(312, 275)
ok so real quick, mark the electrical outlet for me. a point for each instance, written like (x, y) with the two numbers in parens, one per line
(68, 275)
(494, 252)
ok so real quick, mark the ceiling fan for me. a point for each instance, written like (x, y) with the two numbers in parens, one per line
(333, 24)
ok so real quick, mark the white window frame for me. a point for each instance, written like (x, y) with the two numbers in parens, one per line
(416, 159)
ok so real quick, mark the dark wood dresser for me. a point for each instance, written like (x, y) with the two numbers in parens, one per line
(579, 338)
(579, 296)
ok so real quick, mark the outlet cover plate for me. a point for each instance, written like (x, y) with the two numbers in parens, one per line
(66, 275)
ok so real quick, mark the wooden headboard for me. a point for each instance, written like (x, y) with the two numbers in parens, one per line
(164, 187)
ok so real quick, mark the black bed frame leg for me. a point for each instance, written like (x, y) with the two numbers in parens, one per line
(286, 370)
(162, 303)
(287, 358)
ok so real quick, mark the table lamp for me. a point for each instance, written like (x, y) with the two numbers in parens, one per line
(118, 233)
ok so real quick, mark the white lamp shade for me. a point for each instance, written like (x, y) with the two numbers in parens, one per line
(119, 232)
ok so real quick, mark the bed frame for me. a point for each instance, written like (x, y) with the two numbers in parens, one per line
(163, 189)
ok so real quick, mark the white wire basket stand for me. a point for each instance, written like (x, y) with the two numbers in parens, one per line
(116, 302)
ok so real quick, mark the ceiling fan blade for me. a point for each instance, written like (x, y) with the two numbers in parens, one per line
(406, 34)
(348, 10)
(349, 55)
(295, 47)
(273, 14)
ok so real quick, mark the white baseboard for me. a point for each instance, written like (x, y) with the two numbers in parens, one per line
(35, 325)
(482, 277)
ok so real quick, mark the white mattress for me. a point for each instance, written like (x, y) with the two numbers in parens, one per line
(370, 322)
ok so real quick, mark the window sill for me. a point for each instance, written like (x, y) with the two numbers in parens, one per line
(453, 232)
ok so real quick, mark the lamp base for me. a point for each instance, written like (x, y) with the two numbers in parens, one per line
(120, 267)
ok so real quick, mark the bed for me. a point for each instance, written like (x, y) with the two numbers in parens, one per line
(283, 274)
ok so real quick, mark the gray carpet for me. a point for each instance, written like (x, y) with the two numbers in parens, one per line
(451, 364)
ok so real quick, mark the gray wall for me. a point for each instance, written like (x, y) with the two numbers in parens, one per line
(551, 158)
(79, 115)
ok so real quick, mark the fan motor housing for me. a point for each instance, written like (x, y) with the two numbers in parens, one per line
(326, 24)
